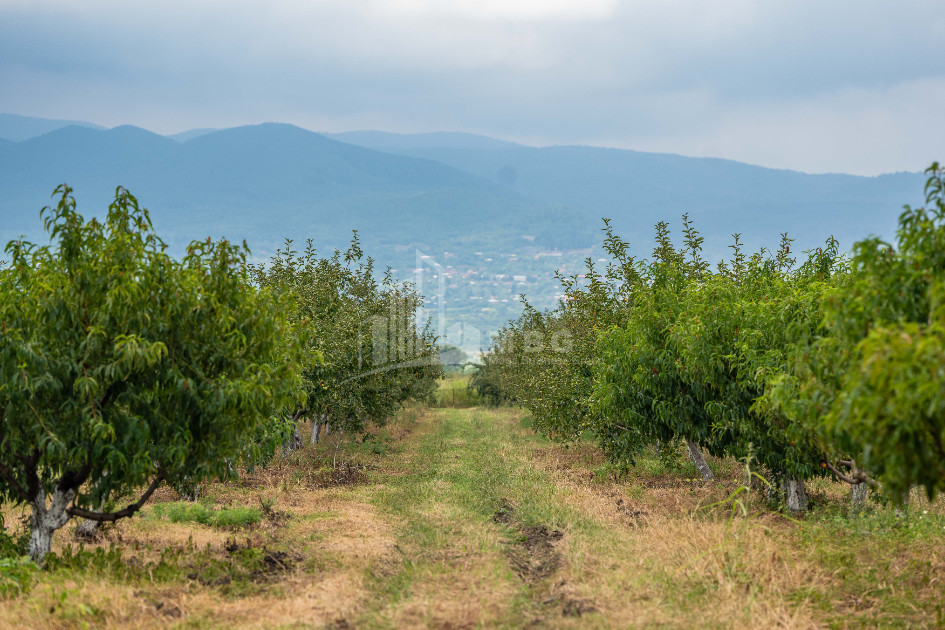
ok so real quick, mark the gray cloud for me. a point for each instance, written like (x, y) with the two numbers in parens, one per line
(841, 86)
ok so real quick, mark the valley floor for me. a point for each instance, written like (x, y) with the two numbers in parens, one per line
(464, 518)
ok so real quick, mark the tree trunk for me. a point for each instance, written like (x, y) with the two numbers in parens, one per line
(697, 458)
(46, 520)
(795, 496)
(317, 423)
(188, 490)
(293, 442)
(858, 496)
(902, 510)
(327, 427)
(88, 529)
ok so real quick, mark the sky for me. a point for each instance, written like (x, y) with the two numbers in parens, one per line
(816, 86)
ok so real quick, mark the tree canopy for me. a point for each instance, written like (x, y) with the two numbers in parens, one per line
(121, 367)
(834, 366)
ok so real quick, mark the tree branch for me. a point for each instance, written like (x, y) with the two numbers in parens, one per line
(839, 474)
(72, 479)
(111, 517)
(857, 477)
(32, 479)
(7, 474)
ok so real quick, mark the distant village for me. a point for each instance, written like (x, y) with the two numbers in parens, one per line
(481, 290)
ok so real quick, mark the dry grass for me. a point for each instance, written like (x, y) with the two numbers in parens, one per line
(333, 536)
(464, 519)
(688, 565)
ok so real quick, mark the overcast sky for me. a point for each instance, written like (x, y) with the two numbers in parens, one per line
(817, 86)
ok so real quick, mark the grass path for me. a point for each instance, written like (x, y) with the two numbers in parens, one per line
(497, 527)
(464, 518)
(479, 529)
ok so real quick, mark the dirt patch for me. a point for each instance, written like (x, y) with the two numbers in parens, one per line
(272, 561)
(532, 552)
(161, 603)
(248, 562)
(577, 607)
(504, 514)
(271, 514)
(342, 474)
(633, 514)
(534, 556)
(570, 605)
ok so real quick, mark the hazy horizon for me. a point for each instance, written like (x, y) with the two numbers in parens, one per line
(848, 87)
(334, 135)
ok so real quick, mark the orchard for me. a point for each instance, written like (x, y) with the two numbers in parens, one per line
(123, 368)
(831, 366)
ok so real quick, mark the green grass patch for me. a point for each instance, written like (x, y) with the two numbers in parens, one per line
(236, 570)
(454, 392)
(16, 576)
(182, 512)
(374, 443)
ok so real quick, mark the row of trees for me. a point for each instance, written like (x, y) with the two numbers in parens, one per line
(369, 354)
(122, 367)
(834, 366)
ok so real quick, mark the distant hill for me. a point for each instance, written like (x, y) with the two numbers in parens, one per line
(190, 134)
(386, 141)
(18, 128)
(261, 183)
(637, 189)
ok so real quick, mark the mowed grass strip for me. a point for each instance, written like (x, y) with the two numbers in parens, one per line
(502, 528)
(456, 518)
(451, 570)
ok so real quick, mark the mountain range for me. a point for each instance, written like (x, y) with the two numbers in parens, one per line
(480, 199)
(261, 183)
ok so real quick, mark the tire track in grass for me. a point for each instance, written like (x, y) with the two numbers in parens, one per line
(458, 565)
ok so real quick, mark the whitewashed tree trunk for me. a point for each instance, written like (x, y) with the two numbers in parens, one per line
(858, 496)
(795, 496)
(699, 460)
(45, 520)
(293, 442)
(316, 428)
(327, 427)
(87, 530)
(188, 491)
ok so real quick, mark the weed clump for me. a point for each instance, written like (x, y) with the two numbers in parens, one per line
(16, 576)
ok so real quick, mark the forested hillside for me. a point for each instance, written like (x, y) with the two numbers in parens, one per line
(498, 218)
(637, 189)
